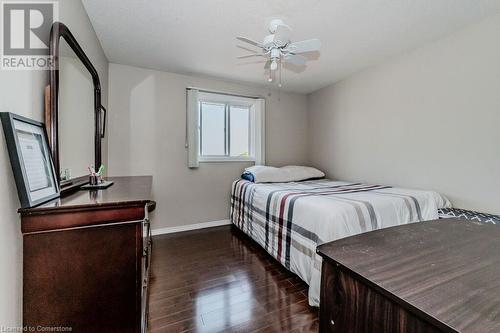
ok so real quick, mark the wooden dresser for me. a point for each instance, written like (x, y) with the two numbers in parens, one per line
(435, 276)
(86, 259)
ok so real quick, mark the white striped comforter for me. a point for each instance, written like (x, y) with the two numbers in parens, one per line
(289, 220)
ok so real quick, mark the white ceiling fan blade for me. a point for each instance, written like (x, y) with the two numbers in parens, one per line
(249, 56)
(249, 41)
(295, 59)
(309, 45)
(282, 34)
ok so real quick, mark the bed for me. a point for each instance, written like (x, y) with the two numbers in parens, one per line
(289, 220)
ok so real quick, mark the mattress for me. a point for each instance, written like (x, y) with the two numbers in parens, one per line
(289, 220)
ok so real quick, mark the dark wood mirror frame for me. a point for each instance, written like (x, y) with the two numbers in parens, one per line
(59, 30)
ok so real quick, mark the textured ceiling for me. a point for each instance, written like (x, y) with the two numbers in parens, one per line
(198, 36)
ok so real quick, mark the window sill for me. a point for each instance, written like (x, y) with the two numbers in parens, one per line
(225, 159)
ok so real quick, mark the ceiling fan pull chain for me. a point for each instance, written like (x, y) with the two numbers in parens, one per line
(280, 71)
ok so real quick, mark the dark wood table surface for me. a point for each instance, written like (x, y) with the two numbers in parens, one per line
(131, 190)
(446, 271)
(126, 199)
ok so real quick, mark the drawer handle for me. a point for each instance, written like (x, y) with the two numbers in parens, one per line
(145, 249)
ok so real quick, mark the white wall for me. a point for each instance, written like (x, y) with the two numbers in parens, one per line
(21, 92)
(428, 119)
(147, 136)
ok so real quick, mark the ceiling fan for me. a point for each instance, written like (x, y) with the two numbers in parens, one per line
(278, 48)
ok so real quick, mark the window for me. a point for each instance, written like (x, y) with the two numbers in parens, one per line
(213, 133)
(228, 128)
(224, 130)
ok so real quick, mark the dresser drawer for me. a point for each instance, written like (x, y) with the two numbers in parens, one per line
(349, 305)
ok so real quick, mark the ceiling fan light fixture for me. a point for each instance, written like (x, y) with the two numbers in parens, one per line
(274, 65)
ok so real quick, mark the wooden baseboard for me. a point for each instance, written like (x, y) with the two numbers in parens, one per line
(196, 226)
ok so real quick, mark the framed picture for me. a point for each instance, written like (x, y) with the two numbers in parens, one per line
(30, 158)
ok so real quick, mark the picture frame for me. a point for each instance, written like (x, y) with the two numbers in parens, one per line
(31, 160)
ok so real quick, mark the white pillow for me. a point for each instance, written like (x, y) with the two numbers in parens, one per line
(289, 173)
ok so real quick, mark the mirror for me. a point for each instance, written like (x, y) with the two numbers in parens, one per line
(74, 116)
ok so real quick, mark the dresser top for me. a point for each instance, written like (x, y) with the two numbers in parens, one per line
(126, 191)
(445, 270)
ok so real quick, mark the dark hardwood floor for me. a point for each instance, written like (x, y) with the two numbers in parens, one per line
(216, 280)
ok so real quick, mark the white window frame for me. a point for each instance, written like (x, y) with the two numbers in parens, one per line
(256, 123)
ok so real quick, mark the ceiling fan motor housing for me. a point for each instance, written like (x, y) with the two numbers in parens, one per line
(269, 43)
(275, 53)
